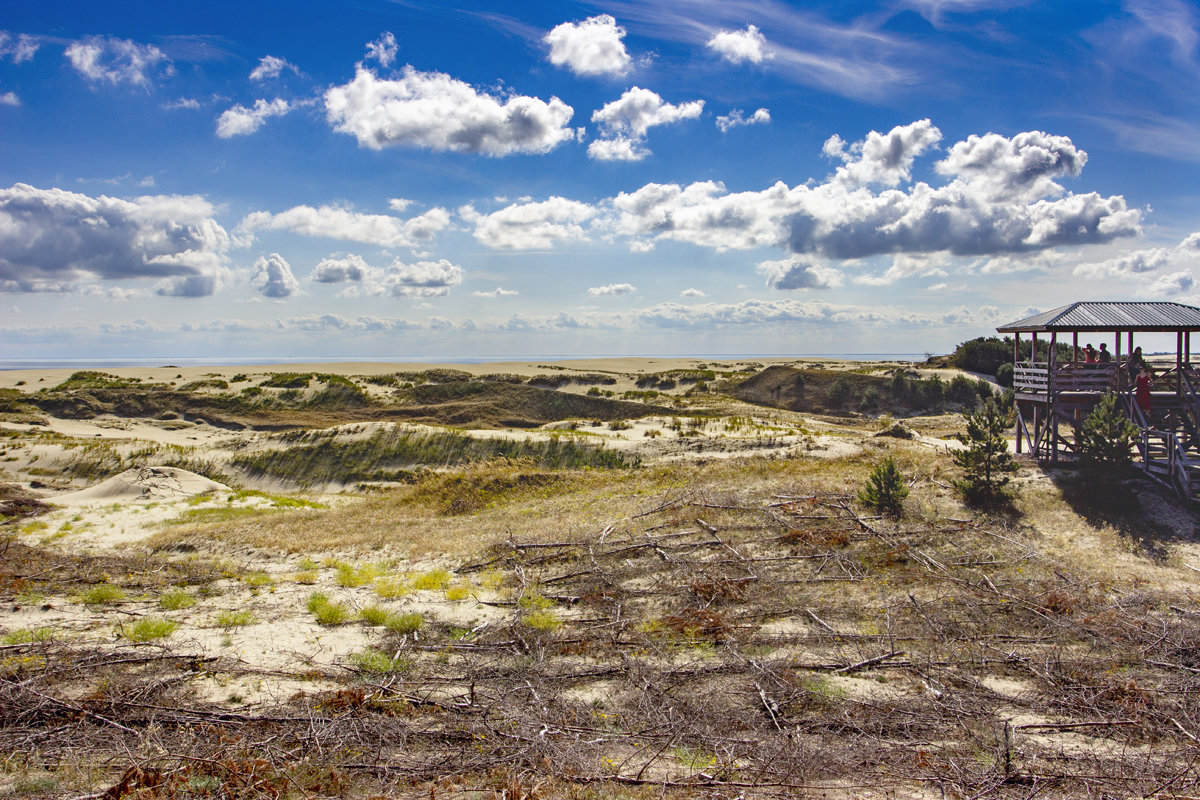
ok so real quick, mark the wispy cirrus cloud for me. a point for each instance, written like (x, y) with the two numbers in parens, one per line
(103, 59)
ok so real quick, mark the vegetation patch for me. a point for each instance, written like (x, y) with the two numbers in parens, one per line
(397, 454)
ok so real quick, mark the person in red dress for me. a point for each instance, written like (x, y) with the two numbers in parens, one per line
(1141, 391)
(1089, 354)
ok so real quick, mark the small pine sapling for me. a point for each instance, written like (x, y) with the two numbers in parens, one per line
(885, 489)
(1106, 440)
(986, 461)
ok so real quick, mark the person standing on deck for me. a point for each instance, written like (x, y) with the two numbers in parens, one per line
(1104, 356)
(1089, 354)
(1135, 364)
(1141, 391)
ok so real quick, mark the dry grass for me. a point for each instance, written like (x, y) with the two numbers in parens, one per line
(424, 520)
(764, 639)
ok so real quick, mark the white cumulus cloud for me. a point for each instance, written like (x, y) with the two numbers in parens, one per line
(625, 121)
(846, 218)
(339, 270)
(9, 99)
(271, 67)
(692, 293)
(273, 277)
(1024, 166)
(499, 291)
(592, 47)
(383, 49)
(422, 279)
(612, 290)
(882, 158)
(735, 119)
(51, 236)
(333, 222)
(1169, 286)
(741, 46)
(618, 149)
(100, 58)
(437, 112)
(531, 225)
(799, 273)
(239, 120)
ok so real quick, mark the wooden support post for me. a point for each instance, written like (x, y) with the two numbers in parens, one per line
(1117, 359)
(1075, 346)
(1052, 396)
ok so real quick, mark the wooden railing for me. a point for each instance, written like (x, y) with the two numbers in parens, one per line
(1031, 377)
(1074, 377)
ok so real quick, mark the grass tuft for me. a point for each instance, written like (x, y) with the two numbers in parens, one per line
(148, 629)
(326, 611)
(542, 620)
(391, 587)
(376, 662)
(28, 635)
(435, 580)
(235, 619)
(102, 594)
(404, 623)
(176, 599)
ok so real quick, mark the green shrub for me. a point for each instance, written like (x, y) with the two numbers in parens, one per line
(885, 489)
(1004, 374)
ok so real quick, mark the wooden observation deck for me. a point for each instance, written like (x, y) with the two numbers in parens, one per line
(1054, 396)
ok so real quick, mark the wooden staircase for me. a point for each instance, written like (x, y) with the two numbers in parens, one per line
(1169, 438)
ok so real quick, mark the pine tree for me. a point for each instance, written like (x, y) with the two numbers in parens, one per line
(986, 462)
(885, 489)
(1106, 439)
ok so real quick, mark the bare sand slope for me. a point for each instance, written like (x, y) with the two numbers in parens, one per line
(143, 483)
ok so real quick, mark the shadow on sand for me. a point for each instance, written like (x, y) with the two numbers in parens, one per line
(1149, 515)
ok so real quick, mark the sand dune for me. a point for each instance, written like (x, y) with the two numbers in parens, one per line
(143, 483)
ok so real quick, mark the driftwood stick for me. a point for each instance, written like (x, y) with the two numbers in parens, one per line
(818, 620)
(1064, 726)
(870, 661)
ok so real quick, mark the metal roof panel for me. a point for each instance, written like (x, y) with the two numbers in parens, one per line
(1110, 316)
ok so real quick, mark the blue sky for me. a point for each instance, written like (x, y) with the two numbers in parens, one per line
(455, 180)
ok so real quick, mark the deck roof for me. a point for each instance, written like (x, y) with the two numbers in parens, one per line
(1110, 316)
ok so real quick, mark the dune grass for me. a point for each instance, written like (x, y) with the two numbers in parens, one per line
(397, 455)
